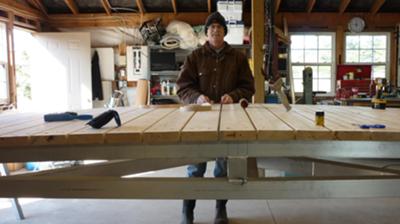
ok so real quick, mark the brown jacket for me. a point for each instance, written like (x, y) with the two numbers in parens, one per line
(206, 72)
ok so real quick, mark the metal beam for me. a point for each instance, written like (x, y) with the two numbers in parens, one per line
(339, 149)
(376, 6)
(310, 5)
(174, 6)
(140, 5)
(343, 5)
(72, 6)
(199, 188)
(14, 201)
(118, 167)
(106, 6)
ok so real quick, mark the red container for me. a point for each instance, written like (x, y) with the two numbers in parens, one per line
(360, 79)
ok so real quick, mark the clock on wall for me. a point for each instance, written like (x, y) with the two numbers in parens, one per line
(356, 25)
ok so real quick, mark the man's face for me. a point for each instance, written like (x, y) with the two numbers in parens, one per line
(215, 34)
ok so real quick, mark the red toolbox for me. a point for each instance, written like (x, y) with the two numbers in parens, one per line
(353, 80)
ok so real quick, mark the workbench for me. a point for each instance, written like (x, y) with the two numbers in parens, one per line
(390, 102)
(153, 138)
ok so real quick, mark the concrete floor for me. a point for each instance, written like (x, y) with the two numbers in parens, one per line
(325, 211)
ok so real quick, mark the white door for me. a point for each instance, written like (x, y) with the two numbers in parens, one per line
(61, 72)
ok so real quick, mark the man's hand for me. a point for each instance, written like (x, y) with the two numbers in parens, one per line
(226, 99)
(203, 99)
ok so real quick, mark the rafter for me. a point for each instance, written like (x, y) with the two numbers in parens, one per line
(72, 6)
(140, 5)
(376, 6)
(38, 5)
(174, 6)
(310, 5)
(20, 9)
(209, 6)
(106, 6)
(343, 6)
(277, 5)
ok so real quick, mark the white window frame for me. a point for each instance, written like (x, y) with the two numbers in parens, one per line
(387, 64)
(333, 62)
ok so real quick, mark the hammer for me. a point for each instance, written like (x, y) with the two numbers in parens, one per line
(277, 87)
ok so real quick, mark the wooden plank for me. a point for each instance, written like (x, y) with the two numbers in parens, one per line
(132, 131)
(140, 5)
(269, 127)
(257, 18)
(330, 21)
(131, 19)
(14, 7)
(39, 5)
(174, 6)
(343, 5)
(361, 115)
(167, 130)
(60, 134)
(310, 5)
(12, 81)
(235, 125)
(209, 6)
(89, 135)
(277, 5)
(342, 128)
(305, 129)
(106, 6)
(72, 6)
(203, 126)
(376, 6)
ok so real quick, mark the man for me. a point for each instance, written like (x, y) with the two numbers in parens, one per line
(213, 73)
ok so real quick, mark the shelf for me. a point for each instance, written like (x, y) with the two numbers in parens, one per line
(165, 73)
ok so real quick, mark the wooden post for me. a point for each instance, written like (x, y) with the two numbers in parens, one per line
(339, 44)
(257, 16)
(393, 57)
(11, 59)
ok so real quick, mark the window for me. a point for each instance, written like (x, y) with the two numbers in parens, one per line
(3, 65)
(314, 50)
(369, 49)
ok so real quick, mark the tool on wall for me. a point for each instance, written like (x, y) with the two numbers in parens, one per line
(274, 80)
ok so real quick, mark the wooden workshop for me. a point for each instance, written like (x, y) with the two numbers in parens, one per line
(270, 111)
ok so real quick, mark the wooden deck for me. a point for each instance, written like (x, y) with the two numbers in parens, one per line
(161, 125)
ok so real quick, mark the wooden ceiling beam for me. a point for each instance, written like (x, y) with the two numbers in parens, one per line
(343, 5)
(140, 5)
(310, 5)
(106, 6)
(330, 21)
(277, 5)
(72, 6)
(130, 19)
(376, 6)
(209, 6)
(38, 5)
(174, 6)
(20, 9)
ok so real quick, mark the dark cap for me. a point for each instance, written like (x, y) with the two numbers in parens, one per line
(215, 17)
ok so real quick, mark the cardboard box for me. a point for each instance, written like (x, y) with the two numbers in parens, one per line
(15, 166)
